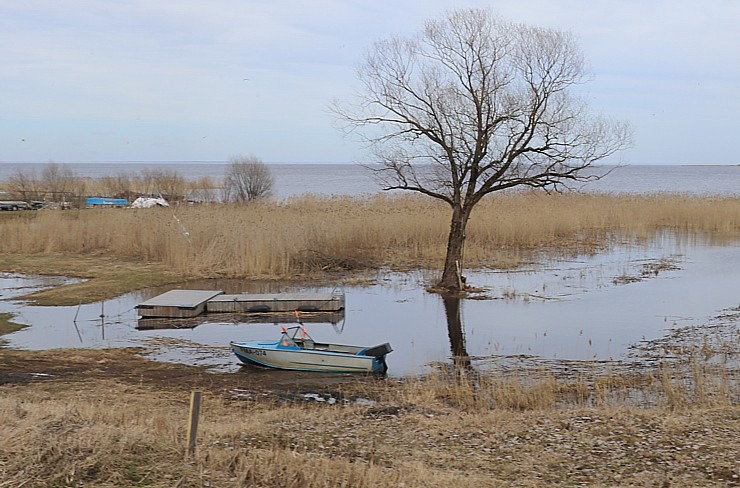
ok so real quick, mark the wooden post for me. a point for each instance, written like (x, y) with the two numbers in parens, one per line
(193, 421)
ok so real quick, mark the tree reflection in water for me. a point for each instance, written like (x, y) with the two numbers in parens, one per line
(460, 358)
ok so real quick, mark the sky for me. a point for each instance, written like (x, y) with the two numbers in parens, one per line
(194, 80)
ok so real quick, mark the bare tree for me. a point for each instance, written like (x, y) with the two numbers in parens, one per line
(170, 184)
(473, 105)
(58, 180)
(24, 185)
(119, 185)
(247, 178)
(145, 182)
(164, 182)
(203, 190)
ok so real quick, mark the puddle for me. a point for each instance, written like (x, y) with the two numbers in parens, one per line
(13, 285)
(592, 308)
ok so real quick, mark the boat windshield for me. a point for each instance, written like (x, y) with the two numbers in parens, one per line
(296, 337)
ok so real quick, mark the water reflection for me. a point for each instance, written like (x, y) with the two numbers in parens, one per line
(13, 285)
(336, 319)
(456, 333)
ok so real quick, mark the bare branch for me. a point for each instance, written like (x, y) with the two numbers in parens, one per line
(247, 178)
(474, 105)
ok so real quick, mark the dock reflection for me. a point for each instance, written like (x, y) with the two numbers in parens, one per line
(335, 318)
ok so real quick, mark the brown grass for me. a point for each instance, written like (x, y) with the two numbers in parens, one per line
(312, 235)
(7, 325)
(105, 276)
(442, 430)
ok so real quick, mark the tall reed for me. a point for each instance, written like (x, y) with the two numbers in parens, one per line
(312, 234)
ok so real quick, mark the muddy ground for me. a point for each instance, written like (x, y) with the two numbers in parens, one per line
(125, 365)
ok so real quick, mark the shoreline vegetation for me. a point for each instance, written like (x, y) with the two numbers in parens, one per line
(111, 418)
(7, 325)
(329, 238)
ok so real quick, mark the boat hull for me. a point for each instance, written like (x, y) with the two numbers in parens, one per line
(272, 355)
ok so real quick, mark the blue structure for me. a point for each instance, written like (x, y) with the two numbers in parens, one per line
(106, 202)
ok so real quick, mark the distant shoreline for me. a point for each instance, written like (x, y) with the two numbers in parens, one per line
(221, 161)
(348, 178)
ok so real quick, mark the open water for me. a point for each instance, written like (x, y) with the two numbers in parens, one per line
(292, 179)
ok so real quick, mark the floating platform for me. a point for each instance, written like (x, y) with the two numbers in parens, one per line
(179, 304)
(284, 302)
(191, 303)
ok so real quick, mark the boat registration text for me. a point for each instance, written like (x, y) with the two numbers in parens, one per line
(254, 352)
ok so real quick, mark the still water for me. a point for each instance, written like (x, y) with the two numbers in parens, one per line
(592, 307)
(292, 179)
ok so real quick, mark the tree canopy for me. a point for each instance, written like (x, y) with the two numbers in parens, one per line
(473, 105)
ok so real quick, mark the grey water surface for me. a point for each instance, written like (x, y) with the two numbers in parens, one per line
(295, 179)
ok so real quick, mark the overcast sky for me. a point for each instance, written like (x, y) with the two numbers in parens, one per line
(123, 80)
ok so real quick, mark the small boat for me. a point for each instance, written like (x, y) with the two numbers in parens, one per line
(296, 350)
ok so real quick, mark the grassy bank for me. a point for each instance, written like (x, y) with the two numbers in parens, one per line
(7, 325)
(309, 236)
(103, 275)
(125, 424)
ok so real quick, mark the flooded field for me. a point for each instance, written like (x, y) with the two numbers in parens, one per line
(602, 307)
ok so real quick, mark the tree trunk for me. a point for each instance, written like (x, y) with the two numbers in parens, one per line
(452, 278)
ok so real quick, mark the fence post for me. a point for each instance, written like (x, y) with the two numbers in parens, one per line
(193, 421)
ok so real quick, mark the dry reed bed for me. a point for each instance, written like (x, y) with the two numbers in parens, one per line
(428, 432)
(312, 234)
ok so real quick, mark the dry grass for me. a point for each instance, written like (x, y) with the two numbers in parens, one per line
(108, 418)
(677, 384)
(7, 325)
(105, 276)
(426, 432)
(311, 235)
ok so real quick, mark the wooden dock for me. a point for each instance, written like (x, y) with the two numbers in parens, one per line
(284, 302)
(191, 303)
(177, 303)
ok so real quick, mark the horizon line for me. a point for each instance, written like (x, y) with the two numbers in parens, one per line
(221, 161)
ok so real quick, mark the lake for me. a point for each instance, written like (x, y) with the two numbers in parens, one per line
(292, 179)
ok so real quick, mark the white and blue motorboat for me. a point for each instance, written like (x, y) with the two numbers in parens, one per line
(296, 350)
